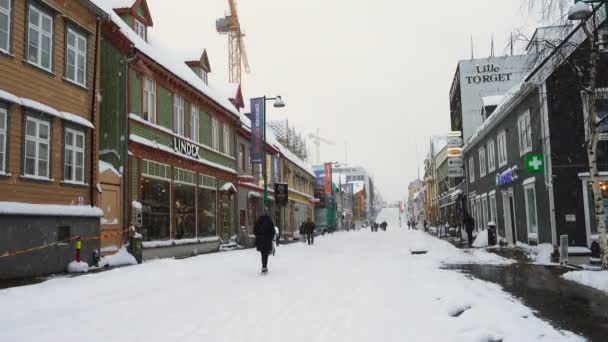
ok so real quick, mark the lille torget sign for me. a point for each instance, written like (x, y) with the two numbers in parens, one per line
(186, 148)
(488, 73)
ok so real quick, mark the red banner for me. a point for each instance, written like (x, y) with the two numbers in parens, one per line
(328, 180)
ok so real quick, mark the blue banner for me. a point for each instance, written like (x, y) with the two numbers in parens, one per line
(258, 120)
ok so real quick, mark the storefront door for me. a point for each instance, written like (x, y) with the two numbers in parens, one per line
(225, 215)
(508, 203)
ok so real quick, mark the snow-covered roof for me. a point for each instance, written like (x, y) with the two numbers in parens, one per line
(358, 186)
(549, 36)
(17, 208)
(292, 157)
(228, 187)
(163, 56)
(438, 143)
(493, 100)
(117, 3)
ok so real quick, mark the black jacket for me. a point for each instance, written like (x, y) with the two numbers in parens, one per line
(469, 223)
(264, 233)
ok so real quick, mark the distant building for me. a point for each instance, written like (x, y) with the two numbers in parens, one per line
(476, 79)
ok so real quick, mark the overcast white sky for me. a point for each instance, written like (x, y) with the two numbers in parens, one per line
(375, 74)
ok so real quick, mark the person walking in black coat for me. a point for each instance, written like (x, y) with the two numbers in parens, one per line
(264, 235)
(469, 225)
(309, 228)
(384, 225)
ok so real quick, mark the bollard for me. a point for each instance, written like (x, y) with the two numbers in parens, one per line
(78, 247)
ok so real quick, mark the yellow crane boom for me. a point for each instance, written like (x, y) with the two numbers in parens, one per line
(237, 56)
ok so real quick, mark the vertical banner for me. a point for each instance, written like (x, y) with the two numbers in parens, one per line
(257, 130)
(328, 180)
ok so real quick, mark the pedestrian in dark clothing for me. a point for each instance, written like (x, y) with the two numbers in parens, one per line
(309, 228)
(384, 225)
(424, 225)
(264, 235)
(469, 225)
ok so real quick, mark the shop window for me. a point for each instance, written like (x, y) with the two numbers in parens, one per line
(37, 145)
(5, 25)
(531, 218)
(185, 220)
(484, 212)
(156, 200)
(206, 211)
(40, 38)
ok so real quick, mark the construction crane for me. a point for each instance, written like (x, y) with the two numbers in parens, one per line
(317, 140)
(237, 56)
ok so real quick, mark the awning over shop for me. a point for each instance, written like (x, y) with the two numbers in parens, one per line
(228, 187)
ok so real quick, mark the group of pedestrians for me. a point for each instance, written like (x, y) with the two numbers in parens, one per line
(374, 226)
(267, 237)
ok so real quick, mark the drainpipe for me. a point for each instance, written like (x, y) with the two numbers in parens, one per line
(547, 156)
(93, 179)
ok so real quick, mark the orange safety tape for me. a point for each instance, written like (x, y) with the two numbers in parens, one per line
(87, 238)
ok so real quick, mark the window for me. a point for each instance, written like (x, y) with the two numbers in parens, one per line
(178, 109)
(63, 233)
(156, 200)
(493, 209)
(40, 38)
(601, 102)
(482, 162)
(206, 206)
(525, 133)
(5, 25)
(471, 170)
(491, 156)
(184, 194)
(194, 123)
(139, 28)
(215, 133)
(226, 139)
(37, 142)
(204, 76)
(149, 100)
(502, 148)
(531, 217)
(3, 147)
(484, 212)
(73, 164)
(76, 58)
(241, 158)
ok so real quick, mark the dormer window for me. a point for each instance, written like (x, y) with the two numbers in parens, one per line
(140, 29)
(204, 76)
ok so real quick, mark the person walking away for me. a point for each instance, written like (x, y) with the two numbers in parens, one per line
(264, 232)
(409, 224)
(424, 225)
(310, 231)
(469, 225)
(384, 225)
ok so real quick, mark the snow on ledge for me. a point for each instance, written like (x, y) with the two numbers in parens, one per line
(169, 243)
(16, 208)
(104, 166)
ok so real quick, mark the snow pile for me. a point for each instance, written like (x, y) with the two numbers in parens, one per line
(540, 254)
(481, 240)
(104, 166)
(120, 258)
(598, 280)
(78, 267)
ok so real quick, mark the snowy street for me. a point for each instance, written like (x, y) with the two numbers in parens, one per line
(351, 286)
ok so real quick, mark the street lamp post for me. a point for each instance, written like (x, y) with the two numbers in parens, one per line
(278, 103)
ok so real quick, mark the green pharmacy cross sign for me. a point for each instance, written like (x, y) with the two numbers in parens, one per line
(535, 163)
